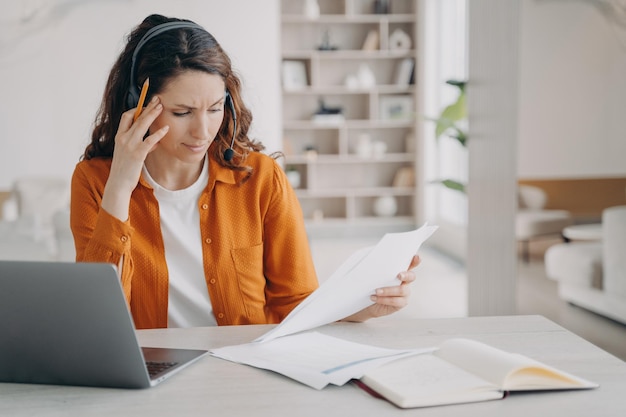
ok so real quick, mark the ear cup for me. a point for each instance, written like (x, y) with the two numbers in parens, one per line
(132, 99)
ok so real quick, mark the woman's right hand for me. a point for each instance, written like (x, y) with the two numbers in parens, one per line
(128, 157)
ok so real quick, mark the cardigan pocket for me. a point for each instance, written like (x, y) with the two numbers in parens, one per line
(248, 264)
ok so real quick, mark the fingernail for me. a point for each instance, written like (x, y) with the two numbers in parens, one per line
(379, 291)
(373, 298)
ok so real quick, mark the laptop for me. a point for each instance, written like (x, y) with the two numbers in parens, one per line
(67, 323)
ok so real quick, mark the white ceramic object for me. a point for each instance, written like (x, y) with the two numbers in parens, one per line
(312, 9)
(294, 178)
(385, 206)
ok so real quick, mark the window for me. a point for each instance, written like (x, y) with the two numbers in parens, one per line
(444, 57)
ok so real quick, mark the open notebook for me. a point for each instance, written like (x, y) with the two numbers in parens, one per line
(69, 324)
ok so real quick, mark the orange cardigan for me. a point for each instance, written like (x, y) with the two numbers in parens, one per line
(257, 262)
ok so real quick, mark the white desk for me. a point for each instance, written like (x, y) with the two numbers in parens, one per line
(214, 387)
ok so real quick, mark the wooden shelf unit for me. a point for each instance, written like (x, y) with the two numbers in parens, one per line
(339, 181)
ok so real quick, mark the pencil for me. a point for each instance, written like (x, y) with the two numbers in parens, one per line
(142, 98)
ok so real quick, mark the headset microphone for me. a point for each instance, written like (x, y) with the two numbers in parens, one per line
(230, 152)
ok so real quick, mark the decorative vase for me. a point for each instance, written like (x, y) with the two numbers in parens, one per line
(294, 179)
(366, 76)
(385, 206)
(381, 6)
(364, 146)
(311, 9)
(378, 149)
(399, 40)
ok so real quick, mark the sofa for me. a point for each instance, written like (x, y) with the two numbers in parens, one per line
(592, 274)
(34, 225)
(534, 221)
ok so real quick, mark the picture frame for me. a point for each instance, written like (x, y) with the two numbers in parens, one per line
(294, 75)
(396, 107)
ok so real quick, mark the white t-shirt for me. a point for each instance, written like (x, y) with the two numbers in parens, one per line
(189, 304)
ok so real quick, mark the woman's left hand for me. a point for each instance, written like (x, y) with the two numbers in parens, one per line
(388, 300)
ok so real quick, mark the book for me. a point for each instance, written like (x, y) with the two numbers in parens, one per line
(462, 371)
(404, 72)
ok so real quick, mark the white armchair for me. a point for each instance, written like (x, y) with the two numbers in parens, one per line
(65, 249)
(592, 275)
(17, 243)
(533, 221)
(27, 230)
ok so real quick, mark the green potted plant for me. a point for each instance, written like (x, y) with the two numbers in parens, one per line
(448, 124)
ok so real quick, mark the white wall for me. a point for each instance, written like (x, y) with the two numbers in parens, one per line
(54, 64)
(572, 92)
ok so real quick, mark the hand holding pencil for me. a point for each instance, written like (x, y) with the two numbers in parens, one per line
(133, 142)
(142, 99)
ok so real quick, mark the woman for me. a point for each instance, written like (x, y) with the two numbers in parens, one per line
(204, 228)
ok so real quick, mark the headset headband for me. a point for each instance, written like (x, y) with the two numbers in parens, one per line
(133, 90)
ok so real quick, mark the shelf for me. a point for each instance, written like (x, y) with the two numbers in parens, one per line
(363, 221)
(341, 168)
(362, 227)
(340, 90)
(340, 32)
(348, 159)
(348, 124)
(348, 19)
(308, 54)
(356, 192)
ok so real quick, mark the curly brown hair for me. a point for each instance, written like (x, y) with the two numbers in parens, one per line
(161, 59)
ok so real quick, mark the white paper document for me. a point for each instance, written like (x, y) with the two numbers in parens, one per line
(348, 289)
(318, 360)
(313, 359)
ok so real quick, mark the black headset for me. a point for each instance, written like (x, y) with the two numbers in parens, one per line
(132, 98)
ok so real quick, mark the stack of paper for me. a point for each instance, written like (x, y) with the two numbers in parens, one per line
(315, 359)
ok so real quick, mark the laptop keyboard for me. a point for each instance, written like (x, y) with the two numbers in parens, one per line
(156, 368)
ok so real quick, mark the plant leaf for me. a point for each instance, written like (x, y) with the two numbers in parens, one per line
(455, 111)
(453, 185)
(441, 126)
(450, 115)
(458, 83)
(460, 135)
